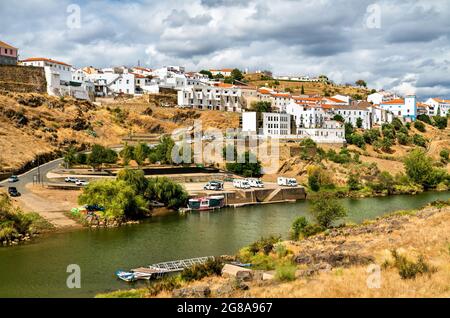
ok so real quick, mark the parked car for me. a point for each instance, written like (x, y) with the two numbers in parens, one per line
(13, 192)
(255, 183)
(13, 179)
(241, 184)
(214, 186)
(81, 183)
(288, 182)
(71, 179)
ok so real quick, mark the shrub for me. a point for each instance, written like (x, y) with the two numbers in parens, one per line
(357, 140)
(285, 272)
(444, 154)
(353, 182)
(402, 138)
(168, 283)
(424, 118)
(247, 165)
(166, 191)
(419, 126)
(327, 210)
(264, 245)
(397, 123)
(408, 269)
(314, 182)
(419, 140)
(308, 149)
(359, 122)
(213, 267)
(386, 144)
(301, 228)
(371, 135)
(440, 122)
(384, 182)
(339, 118)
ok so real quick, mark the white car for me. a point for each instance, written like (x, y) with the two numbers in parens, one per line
(71, 179)
(81, 183)
(255, 183)
(241, 184)
(288, 182)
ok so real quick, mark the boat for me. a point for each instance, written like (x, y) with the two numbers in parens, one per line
(206, 203)
(133, 276)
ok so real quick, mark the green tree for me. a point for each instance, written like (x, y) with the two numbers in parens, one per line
(308, 149)
(440, 122)
(418, 166)
(419, 140)
(359, 122)
(127, 154)
(117, 197)
(419, 126)
(100, 155)
(81, 158)
(262, 107)
(402, 138)
(70, 158)
(247, 165)
(237, 75)
(135, 178)
(208, 73)
(424, 118)
(314, 181)
(166, 191)
(339, 118)
(444, 154)
(141, 152)
(386, 144)
(361, 83)
(384, 182)
(163, 151)
(353, 182)
(327, 210)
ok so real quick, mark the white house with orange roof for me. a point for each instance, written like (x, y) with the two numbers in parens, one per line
(226, 72)
(62, 79)
(438, 106)
(8, 54)
(405, 109)
(307, 116)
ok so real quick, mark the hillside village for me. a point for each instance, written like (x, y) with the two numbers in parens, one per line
(224, 91)
(287, 108)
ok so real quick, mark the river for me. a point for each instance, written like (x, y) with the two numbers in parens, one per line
(39, 269)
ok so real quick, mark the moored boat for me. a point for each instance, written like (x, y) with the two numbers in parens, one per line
(206, 203)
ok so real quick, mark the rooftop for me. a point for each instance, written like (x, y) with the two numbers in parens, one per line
(40, 59)
(6, 45)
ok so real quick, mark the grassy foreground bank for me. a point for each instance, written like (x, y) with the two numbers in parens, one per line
(405, 254)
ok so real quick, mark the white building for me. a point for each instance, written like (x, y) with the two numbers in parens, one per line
(224, 98)
(438, 106)
(381, 97)
(353, 113)
(405, 109)
(111, 81)
(226, 72)
(62, 79)
(282, 126)
(306, 116)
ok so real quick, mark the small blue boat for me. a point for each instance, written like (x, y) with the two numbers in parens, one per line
(126, 276)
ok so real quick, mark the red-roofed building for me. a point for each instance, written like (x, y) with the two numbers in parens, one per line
(8, 54)
(226, 72)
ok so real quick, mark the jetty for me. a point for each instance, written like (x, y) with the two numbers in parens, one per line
(159, 270)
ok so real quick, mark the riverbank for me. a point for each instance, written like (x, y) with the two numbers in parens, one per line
(337, 263)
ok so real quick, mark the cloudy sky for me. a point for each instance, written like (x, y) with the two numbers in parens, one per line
(402, 45)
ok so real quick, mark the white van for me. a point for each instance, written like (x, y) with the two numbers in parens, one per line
(255, 183)
(241, 184)
(288, 182)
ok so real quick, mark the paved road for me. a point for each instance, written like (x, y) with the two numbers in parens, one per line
(29, 177)
(51, 211)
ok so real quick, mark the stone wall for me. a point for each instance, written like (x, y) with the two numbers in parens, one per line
(22, 79)
(8, 60)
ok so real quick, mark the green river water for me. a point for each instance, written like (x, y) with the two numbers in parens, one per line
(39, 269)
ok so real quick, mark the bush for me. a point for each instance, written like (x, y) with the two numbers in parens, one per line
(385, 182)
(247, 165)
(100, 155)
(264, 245)
(162, 152)
(357, 140)
(285, 272)
(402, 138)
(397, 123)
(168, 284)
(424, 118)
(308, 149)
(371, 135)
(444, 154)
(353, 182)
(408, 269)
(339, 118)
(212, 267)
(419, 168)
(314, 182)
(301, 228)
(166, 191)
(419, 140)
(440, 122)
(327, 210)
(342, 157)
(419, 126)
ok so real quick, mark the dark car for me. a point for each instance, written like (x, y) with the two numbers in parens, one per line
(13, 192)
